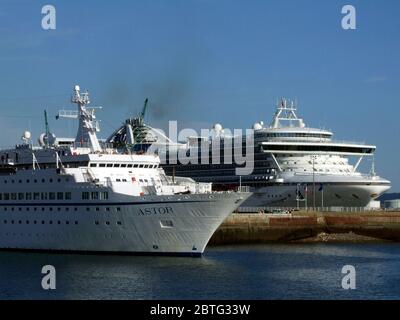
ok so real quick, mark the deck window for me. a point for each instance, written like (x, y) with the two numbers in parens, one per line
(104, 195)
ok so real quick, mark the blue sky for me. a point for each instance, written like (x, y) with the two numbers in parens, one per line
(202, 62)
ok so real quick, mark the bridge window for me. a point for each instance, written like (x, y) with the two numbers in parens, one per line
(104, 195)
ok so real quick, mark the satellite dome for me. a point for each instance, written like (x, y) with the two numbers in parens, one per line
(217, 127)
(257, 126)
(27, 135)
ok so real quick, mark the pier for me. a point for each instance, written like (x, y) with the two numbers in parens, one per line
(311, 226)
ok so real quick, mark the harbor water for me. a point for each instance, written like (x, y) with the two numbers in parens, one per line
(278, 271)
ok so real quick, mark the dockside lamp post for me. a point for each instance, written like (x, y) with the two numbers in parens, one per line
(313, 157)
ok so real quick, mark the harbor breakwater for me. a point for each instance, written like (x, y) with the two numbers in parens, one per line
(308, 227)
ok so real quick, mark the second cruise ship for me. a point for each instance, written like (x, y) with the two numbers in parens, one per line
(294, 165)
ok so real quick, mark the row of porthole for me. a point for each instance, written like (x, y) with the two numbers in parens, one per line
(51, 222)
(36, 222)
(58, 209)
(35, 180)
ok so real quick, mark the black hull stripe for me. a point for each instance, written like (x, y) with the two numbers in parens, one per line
(114, 253)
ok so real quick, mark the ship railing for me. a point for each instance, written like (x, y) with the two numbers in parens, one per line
(258, 210)
(243, 188)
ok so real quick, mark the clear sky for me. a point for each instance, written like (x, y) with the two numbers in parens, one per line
(206, 61)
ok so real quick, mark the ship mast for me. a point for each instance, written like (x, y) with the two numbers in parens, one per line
(88, 125)
(286, 112)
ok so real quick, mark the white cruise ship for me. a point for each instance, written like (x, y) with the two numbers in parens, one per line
(82, 195)
(294, 165)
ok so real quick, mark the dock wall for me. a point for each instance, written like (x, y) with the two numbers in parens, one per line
(268, 228)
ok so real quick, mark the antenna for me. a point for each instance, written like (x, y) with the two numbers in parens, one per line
(47, 129)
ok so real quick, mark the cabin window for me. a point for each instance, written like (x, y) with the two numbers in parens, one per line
(36, 196)
(102, 165)
(118, 180)
(123, 165)
(60, 196)
(85, 195)
(130, 165)
(95, 196)
(141, 165)
(43, 195)
(13, 196)
(1, 196)
(6, 196)
(21, 196)
(28, 196)
(146, 166)
(93, 165)
(116, 165)
(109, 165)
(52, 196)
(68, 196)
(135, 165)
(104, 195)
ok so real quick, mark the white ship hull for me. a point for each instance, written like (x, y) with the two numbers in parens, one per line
(330, 191)
(136, 228)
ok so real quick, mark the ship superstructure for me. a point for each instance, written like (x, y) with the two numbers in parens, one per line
(84, 195)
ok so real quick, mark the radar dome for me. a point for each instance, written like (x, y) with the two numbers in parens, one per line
(27, 135)
(217, 127)
(257, 126)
